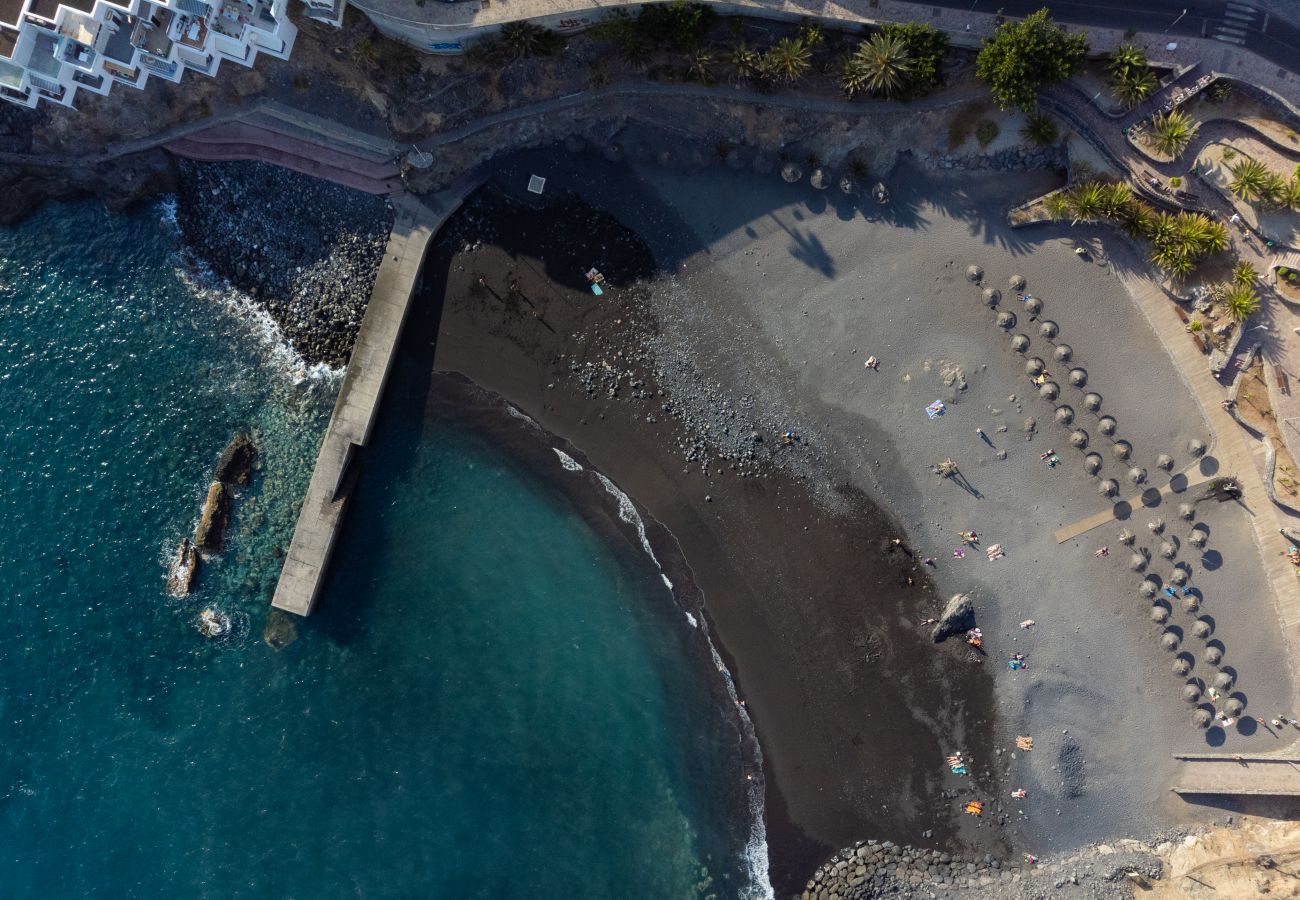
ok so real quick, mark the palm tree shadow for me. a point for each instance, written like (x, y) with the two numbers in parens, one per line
(807, 248)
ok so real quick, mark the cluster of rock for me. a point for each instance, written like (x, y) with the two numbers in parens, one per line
(306, 249)
(234, 468)
(872, 869)
(1012, 158)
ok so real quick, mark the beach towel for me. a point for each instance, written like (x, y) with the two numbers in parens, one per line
(935, 409)
(1024, 743)
(994, 552)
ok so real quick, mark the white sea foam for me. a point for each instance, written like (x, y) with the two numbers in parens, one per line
(208, 286)
(627, 512)
(167, 212)
(695, 623)
(567, 461)
(668, 583)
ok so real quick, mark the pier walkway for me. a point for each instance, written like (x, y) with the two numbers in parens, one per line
(1221, 773)
(357, 405)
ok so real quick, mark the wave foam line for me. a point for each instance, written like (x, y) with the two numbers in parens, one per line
(570, 464)
(627, 512)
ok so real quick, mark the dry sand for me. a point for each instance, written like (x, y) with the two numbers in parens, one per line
(778, 295)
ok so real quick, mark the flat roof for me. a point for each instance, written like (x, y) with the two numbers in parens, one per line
(46, 9)
(11, 11)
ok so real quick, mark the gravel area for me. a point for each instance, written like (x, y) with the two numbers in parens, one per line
(308, 250)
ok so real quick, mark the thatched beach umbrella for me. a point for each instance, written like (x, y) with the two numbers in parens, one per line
(1202, 718)
(1213, 655)
(1137, 562)
(1020, 343)
(1126, 537)
(1168, 550)
(1064, 415)
(1006, 321)
(1048, 330)
(1033, 306)
(1033, 366)
(1063, 352)
(1078, 377)
(1198, 537)
(1234, 707)
(1137, 475)
(1107, 425)
(1148, 588)
(1156, 525)
(1186, 511)
(1164, 461)
(1049, 391)
(791, 173)
(1224, 681)
(1092, 463)
(1169, 641)
(1159, 614)
(850, 186)
(820, 179)
(1191, 693)
(1196, 447)
(1178, 577)
(1016, 282)
(1201, 629)
(1108, 488)
(1181, 666)
(974, 273)
(1092, 401)
(991, 296)
(1191, 602)
(1121, 450)
(1079, 438)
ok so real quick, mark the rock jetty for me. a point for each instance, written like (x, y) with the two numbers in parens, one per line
(871, 869)
(235, 467)
(183, 569)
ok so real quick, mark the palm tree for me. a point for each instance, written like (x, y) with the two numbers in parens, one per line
(744, 61)
(1289, 195)
(885, 61)
(1087, 200)
(1115, 199)
(1244, 273)
(1241, 300)
(1274, 189)
(786, 60)
(365, 52)
(1172, 260)
(701, 67)
(1249, 179)
(1198, 234)
(1173, 131)
(1124, 61)
(1133, 88)
(853, 76)
(1058, 206)
(1138, 219)
(1040, 129)
(636, 52)
(1162, 228)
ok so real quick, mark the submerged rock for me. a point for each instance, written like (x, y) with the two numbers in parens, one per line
(182, 570)
(236, 463)
(210, 534)
(280, 630)
(958, 616)
(212, 623)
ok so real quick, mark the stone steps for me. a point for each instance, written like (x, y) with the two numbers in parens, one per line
(243, 142)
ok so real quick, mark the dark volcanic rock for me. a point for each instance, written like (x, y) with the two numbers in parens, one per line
(958, 616)
(236, 463)
(184, 567)
(210, 534)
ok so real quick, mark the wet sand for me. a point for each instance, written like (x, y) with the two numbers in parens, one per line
(769, 297)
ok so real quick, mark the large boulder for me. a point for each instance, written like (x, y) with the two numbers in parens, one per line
(182, 569)
(210, 534)
(236, 463)
(958, 616)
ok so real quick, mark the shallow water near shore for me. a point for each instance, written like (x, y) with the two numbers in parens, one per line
(500, 697)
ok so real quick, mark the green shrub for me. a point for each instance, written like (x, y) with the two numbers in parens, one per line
(1176, 181)
(985, 131)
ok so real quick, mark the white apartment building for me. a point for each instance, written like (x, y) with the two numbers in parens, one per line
(52, 49)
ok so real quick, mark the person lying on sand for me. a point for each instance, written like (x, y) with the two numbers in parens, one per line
(872, 363)
(1104, 551)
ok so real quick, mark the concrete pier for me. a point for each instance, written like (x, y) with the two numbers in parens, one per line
(357, 406)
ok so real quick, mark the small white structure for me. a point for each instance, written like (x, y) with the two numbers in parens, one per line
(50, 49)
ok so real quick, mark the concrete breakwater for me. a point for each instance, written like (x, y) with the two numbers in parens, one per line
(357, 406)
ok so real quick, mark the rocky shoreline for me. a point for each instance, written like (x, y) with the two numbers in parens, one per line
(872, 868)
(309, 256)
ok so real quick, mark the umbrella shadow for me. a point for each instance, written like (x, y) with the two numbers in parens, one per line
(1211, 560)
(1215, 736)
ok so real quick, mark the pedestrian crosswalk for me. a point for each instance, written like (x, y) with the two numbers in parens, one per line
(1237, 17)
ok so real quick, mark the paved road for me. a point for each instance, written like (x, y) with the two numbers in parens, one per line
(1233, 22)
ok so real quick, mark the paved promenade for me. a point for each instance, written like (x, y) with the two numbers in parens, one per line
(1205, 773)
(306, 563)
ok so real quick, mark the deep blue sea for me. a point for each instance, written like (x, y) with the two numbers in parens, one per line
(499, 699)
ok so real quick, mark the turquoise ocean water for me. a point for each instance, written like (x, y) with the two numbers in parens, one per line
(500, 697)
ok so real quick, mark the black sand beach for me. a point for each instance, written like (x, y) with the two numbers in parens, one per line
(816, 613)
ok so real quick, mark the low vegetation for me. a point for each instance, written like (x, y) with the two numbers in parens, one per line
(1040, 129)
(1024, 57)
(1255, 183)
